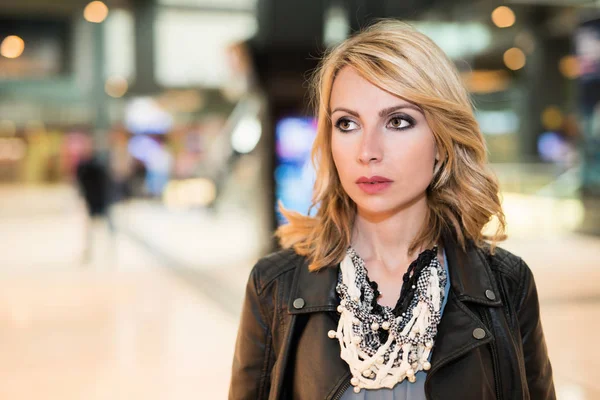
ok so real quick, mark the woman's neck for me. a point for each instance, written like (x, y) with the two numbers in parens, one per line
(384, 240)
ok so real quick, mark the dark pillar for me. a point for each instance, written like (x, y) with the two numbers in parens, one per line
(543, 84)
(98, 95)
(588, 39)
(144, 14)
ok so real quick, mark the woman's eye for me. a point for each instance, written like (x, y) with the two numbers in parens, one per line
(398, 123)
(346, 125)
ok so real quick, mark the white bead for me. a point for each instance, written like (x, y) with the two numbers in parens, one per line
(356, 339)
(380, 360)
(375, 326)
(355, 321)
(385, 325)
(343, 303)
(426, 365)
(356, 389)
(332, 334)
(340, 309)
(354, 381)
(366, 373)
(428, 345)
(412, 379)
(355, 299)
(410, 372)
(415, 329)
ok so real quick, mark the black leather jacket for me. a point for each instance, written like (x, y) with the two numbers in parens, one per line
(283, 352)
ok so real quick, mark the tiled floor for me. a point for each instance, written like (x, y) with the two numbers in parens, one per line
(126, 325)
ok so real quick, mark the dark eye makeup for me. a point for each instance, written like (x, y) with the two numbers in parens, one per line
(396, 122)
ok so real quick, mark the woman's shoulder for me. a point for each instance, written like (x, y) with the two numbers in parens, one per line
(274, 266)
(506, 264)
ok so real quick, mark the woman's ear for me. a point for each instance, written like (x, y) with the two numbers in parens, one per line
(436, 162)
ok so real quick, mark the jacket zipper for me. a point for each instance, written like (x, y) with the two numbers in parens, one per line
(494, 351)
(342, 389)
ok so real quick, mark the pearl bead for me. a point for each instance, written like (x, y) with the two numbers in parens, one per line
(332, 334)
(366, 373)
(410, 372)
(340, 309)
(354, 381)
(343, 303)
(355, 321)
(355, 299)
(385, 325)
(356, 339)
(380, 360)
(429, 345)
(415, 329)
(412, 379)
(356, 389)
(426, 365)
(375, 326)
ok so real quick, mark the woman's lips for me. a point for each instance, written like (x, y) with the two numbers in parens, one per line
(374, 184)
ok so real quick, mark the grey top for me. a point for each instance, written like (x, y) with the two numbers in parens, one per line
(404, 390)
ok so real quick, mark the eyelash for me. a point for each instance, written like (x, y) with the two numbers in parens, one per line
(403, 117)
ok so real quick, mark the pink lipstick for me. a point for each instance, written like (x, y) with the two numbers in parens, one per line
(373, 184)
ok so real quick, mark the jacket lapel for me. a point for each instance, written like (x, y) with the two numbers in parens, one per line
(471, 281)
(316, 289)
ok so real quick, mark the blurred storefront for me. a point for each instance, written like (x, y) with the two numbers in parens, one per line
(181, 97)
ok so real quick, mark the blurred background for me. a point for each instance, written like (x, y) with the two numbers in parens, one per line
(144, 145)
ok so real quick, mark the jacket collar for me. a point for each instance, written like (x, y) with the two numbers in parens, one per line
(470, 278)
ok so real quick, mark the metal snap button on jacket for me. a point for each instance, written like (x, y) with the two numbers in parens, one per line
(299, 303)
(490, 295)
(478, 333)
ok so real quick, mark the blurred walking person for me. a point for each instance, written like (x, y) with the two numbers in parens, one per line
(93, 183)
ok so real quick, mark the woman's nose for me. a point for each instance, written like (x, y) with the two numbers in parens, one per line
(370, 149)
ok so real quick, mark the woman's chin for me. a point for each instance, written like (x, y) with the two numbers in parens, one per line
(377, 210)
(383, 208)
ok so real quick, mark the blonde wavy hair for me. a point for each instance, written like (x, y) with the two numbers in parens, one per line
(463, 195)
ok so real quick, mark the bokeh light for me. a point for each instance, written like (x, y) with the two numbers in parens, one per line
(12, 47)
(569, 67)
(96, 12)
(552, 118)
(195, 192)
(116, 86)
(525, 41)
(514, 58)
(503, 17)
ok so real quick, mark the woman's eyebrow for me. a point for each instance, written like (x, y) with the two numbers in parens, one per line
(389, 110)
(346, 110)
(382, 113)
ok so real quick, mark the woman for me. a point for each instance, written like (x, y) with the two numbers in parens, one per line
(391, 291)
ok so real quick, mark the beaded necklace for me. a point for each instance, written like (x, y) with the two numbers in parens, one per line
(383, 346)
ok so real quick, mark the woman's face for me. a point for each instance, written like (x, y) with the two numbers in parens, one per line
(382, 146)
